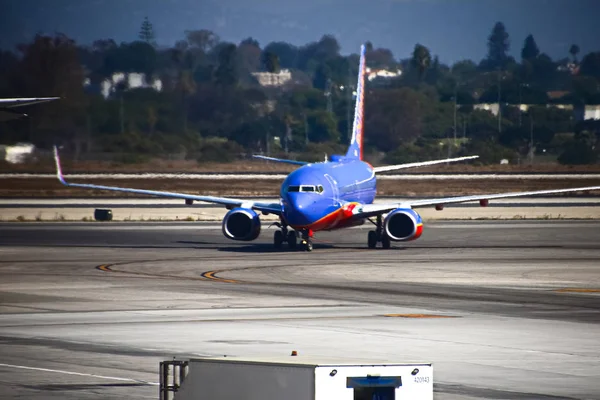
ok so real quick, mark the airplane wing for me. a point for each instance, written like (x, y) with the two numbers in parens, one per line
(24, 101)
(271, 208)
(370, 210)
(281, 160)
(420, 164)
(7, 105)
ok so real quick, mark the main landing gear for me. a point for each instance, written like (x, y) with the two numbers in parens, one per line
(378, 236)
(291, 237)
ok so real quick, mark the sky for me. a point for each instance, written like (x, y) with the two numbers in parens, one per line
(452, 29)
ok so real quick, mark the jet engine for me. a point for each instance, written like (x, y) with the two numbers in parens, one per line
(241, 224)
(403, 224)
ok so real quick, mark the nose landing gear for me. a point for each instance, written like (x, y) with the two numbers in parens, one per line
(307, 235)
(291, 237)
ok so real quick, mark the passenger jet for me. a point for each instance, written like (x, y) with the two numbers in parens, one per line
(333, 194)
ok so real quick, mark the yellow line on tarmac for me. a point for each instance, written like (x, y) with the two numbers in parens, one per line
(108, 268)
(578, 290)
(212, 275)
(105, 268)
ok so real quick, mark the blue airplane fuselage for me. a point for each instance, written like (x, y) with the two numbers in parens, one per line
(321, 196)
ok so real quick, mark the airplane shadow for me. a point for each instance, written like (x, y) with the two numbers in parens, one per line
(197, 243)
(105, 246)
(268, 248)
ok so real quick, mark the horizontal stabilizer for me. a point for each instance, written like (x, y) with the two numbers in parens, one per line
(420, 164)
(281, 160)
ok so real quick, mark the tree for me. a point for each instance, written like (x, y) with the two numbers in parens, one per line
(248, 57)
(186, 86)
(590, 65)
(380, 58)
(464, 70)
(250, 41)
(286, 53)
(577, 152)
(138, 57)
(574, 50)
(393, 117)
(202, 39)
(327, 48)
(584, 88)
(50, 67)
(530, 49)
(322, 127)
(271, 62)
(421, 59)
(322, 77)
(8, 66)
(147, 32)
(226, 73)
(498, 46)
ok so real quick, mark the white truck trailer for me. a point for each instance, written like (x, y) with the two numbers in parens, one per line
(296, 378)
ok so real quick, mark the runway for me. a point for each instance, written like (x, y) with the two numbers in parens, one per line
(153, 209)
(503, 310)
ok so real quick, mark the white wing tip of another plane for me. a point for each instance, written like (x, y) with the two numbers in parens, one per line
(59, 173)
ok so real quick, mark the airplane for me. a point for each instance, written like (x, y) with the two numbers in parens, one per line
(7, 105)
(329, 195)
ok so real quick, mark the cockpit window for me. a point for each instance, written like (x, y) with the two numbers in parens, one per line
(305, 188)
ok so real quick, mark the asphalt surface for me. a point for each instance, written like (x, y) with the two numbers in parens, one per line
(503, 310)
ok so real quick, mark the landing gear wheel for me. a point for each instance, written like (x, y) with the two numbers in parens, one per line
(385, 242)
(291, 239)
(372, 239)
(278, 239)
(307, 244)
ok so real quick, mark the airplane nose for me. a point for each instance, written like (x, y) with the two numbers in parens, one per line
(299, 208)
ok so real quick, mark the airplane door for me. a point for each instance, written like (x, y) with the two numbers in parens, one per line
(334, 186)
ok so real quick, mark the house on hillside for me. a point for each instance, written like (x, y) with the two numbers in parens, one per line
(273, 78)
(587, 112)
(373, 73)
(130, 80)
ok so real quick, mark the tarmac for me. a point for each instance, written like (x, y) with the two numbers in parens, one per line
(503, 309)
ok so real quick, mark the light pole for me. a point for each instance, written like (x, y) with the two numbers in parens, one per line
(531, 148)
(521, 85)
(455, 106)
(499, 99)
(454, 128)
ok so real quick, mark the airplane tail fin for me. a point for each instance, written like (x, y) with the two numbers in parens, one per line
(356, 143)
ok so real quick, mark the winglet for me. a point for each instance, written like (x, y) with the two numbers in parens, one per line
(281, 160)
(59, 174)
(421, 164)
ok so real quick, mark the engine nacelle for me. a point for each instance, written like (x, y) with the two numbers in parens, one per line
(403, 224)
(241, 224)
